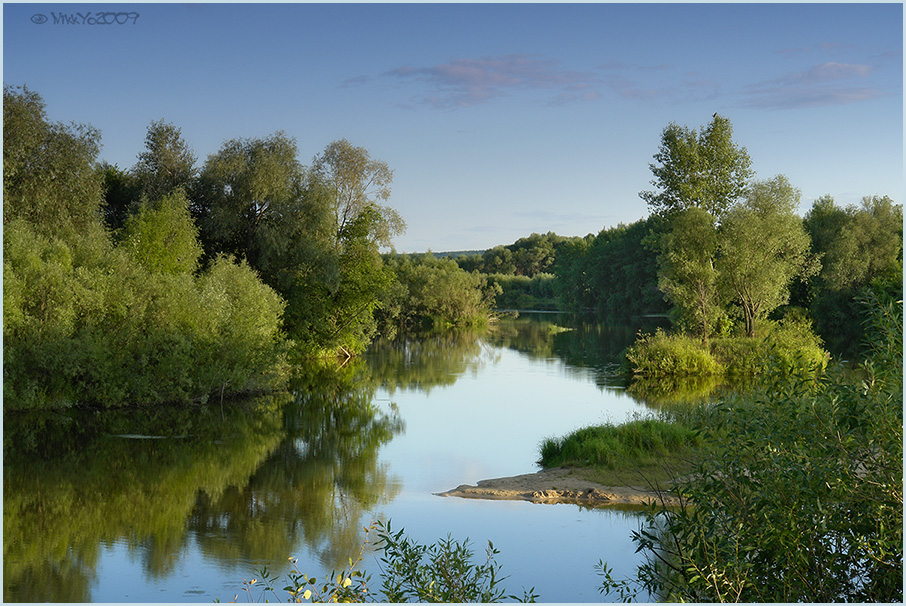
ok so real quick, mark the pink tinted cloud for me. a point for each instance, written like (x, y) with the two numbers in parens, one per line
(464, 82)
(828, 83)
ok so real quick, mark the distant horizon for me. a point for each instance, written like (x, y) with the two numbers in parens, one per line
(499, 120)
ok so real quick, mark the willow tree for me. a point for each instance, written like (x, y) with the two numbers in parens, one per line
(763, 246)
(359, 184)
(49, 175)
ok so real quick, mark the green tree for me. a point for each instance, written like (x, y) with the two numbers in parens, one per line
(868, 243)
(707, 170)
(166, 163)
(359, 183)
(247, 183)
(313, 234)
(688, 275)
(763, 246)
(49, 176)
(162, 236)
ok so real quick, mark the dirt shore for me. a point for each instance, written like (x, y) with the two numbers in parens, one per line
(558, 485)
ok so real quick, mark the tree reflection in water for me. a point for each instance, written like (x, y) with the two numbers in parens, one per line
(249, 480)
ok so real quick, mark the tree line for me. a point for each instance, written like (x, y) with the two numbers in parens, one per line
(172, 280)
(720, 252)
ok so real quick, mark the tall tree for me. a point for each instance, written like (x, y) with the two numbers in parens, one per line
(359, 183)
(166, 163)
(688, 275)
(247, 183)
(763, 246)
(706, 170)
(49, 174)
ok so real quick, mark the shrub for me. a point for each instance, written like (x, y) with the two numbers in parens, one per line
(660, 354)
(410, 572)
(798, 496)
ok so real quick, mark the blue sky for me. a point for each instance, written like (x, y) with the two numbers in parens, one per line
(499, 120)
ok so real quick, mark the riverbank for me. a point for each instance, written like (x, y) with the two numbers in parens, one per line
(560, 485)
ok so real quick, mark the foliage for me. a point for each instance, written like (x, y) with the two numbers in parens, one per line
(244, 185)
(434, 293)
(687, 272)
(862, 251)
(167, 162)
(705, 170)
(162, 237)
(662, 354)
(787, 346)
(763, 246)
(798, 497)
(522, 292)
(615, 274)
(410, 572)
(527, 256)
(358, 184)
(48, 173)
(93, 326)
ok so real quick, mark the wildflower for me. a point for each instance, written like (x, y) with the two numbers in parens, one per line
(347, 582)
(307, 594)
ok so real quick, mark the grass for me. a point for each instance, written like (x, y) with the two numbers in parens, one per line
(643, 450)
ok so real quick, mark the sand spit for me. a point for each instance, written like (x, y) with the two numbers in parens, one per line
(558, 485)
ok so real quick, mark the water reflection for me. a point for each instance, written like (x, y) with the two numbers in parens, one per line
(63, 500)
(424, 362)
(246, 481)
(248, 484)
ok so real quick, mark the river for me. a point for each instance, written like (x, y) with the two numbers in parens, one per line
(182, 505)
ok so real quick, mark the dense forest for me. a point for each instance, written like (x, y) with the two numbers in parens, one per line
(175, 280)
(171, 281)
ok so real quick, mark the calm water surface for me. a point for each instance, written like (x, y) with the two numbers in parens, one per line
(181, 506)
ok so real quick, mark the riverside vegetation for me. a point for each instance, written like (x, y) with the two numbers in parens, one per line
(105, 270)
(796, 489)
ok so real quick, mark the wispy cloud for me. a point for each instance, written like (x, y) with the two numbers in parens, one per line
(827, 83)
(657, 83)
(465, 82)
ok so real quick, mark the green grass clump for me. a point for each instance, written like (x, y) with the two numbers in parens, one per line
(638, 443)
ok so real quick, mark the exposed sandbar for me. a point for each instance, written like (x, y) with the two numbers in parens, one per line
(559, 485)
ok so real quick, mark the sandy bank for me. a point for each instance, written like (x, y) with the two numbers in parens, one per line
(558, 485)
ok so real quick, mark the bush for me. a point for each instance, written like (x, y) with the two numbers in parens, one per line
(410, 572)
(660, 354)
(789, 346)
(798, 496)
(95, 327)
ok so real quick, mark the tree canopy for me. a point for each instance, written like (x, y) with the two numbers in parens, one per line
(706, 170)
(763, 247)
